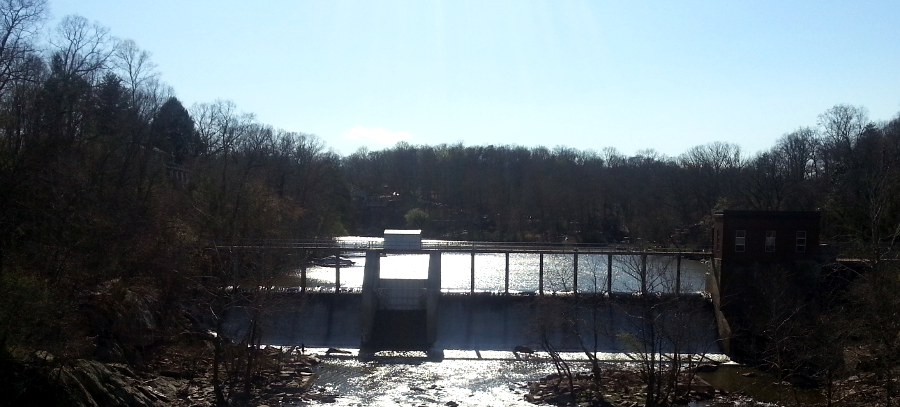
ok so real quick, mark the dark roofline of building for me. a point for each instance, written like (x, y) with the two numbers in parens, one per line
(733, 214)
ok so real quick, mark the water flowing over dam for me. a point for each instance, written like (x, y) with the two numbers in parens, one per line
(492, 322)
(448, 297)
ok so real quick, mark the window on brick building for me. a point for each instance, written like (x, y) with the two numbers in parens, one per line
(718, 240)
(740, 240)
(770, 241)
(801, 241)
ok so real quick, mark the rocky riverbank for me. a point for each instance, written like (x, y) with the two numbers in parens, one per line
(616, 387)
(621, 387)
(174, 380)
(181, 377)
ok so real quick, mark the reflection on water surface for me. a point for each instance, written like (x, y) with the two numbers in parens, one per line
(392, 382)
(524, 268)
(471, 378)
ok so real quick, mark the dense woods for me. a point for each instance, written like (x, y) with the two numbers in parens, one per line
(845, 166)
(115, 198)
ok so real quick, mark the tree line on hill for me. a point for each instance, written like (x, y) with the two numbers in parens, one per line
(116, 201)
(845, 167)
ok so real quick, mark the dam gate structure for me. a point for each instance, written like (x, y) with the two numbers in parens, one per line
(399, 314)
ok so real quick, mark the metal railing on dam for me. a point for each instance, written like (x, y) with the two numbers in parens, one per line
(472, 319)
(587, 260)
(363, 244)
(416, 314)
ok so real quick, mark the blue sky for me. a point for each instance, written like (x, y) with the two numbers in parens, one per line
(666, 75)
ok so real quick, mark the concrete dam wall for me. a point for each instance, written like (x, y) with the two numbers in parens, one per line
(621, 323)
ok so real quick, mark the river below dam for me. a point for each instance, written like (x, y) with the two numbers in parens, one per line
(409, 381)
(469, 378)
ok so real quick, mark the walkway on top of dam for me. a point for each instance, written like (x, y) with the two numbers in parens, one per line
(566, 272)
(355, 243)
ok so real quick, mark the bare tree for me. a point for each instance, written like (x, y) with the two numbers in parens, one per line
(140, 77)
(20, 21)
(219, 126)
(80, 48)
(652, 274)
(799, 151)
(712, 170)
(765, 185)
(862, 196)
(842, 126)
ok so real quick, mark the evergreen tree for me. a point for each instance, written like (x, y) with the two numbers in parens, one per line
(172, 131)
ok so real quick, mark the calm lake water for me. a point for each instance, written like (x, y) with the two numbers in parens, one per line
(524, 272)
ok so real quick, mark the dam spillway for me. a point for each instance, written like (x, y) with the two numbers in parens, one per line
(415, 314)
(616, 323)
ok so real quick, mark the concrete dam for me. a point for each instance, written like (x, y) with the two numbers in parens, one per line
(413, 314)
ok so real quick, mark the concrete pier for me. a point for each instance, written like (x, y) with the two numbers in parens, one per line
(369, 305)
(399, 313)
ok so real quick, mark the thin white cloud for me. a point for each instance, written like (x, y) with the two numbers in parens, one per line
(379, 135)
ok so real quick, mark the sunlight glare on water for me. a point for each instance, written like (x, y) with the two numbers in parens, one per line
(469, 378)
(393, 382)
(456, 269)
(404, 266)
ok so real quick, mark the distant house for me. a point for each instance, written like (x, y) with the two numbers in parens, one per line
(402, 239)
(177, 174)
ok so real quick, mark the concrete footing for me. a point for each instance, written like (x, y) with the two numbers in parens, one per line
(399, 314)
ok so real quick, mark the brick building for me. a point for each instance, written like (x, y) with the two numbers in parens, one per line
(765, 236)
(758, 257)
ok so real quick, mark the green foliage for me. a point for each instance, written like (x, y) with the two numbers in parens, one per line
(416, 218)
(172, 131)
